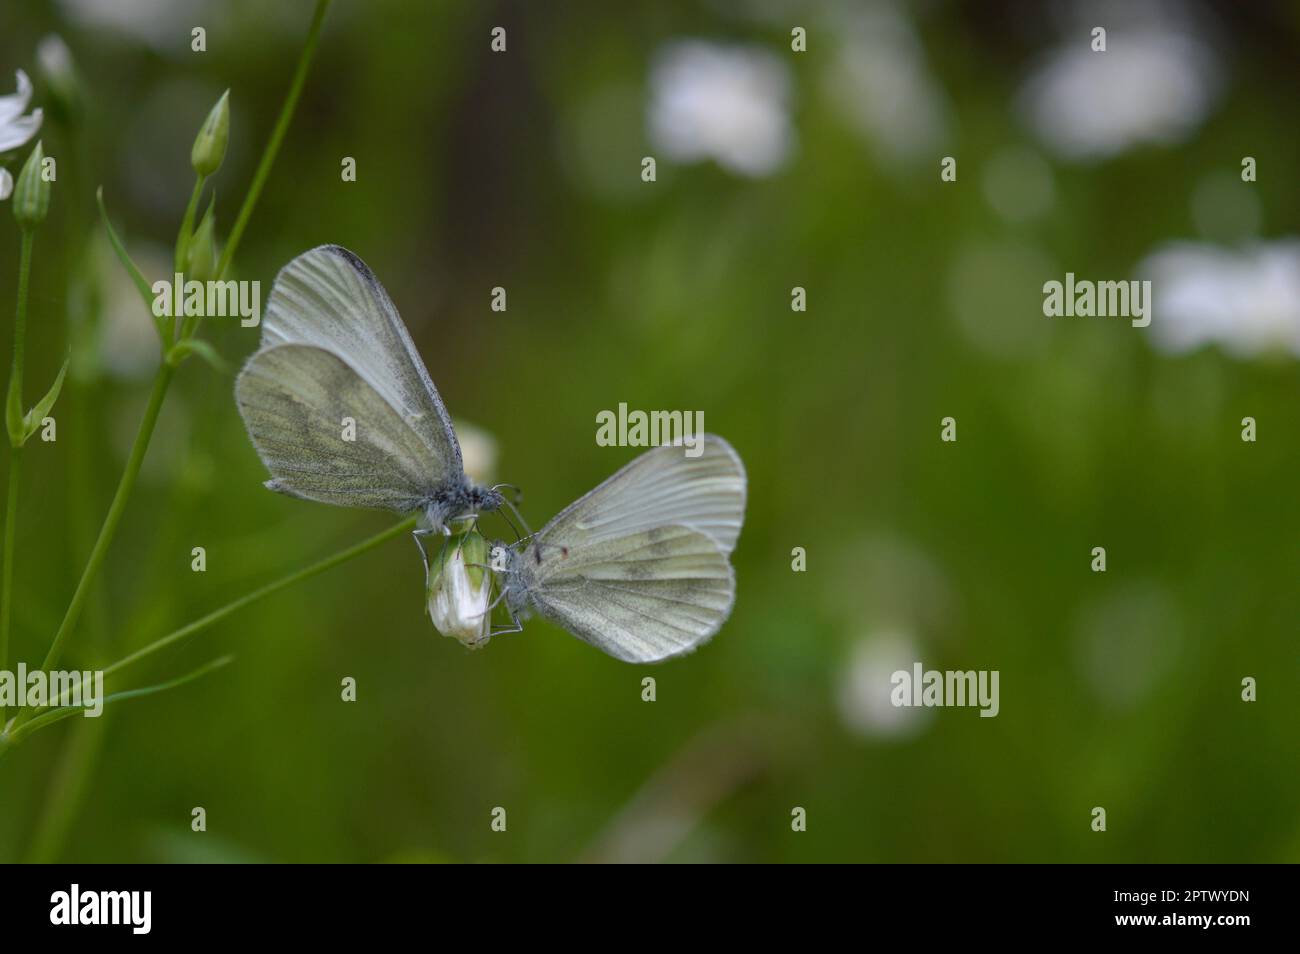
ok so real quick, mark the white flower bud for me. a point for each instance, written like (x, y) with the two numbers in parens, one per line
(459, 595)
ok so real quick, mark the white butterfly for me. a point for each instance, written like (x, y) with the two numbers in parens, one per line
(639, 566)
(334, 349)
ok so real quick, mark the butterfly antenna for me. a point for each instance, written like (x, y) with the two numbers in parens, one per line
(519, 494)
(511, 524)
(520, 517)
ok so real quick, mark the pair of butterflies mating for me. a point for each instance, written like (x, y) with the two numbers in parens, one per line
(638, 567)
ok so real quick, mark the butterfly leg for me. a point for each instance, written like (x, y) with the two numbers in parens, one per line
(492, 605)
(424, 555)
(514, 627)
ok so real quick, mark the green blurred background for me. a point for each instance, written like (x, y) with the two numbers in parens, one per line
(775, 169)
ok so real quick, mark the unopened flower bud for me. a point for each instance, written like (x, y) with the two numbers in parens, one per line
(201, 256)
(210, 144)
(32, 192)
(459, 594)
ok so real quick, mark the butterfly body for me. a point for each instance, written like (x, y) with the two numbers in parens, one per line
(447, 505)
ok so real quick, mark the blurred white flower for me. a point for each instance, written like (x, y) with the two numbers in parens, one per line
(1246, 300)
(15, 128)
(478, 451)
(6, 184)
(128, 342)
(880, 82)
(1150, 86)
(163, 24)
(54, 56)
(726, 103)
(865, 687)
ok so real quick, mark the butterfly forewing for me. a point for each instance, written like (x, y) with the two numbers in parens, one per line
(664, 487)
(296, 401)
(329, 298)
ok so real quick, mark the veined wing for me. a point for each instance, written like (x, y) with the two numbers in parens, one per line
(641, 597)
(663, 487)
(329, 298)
(294, 399)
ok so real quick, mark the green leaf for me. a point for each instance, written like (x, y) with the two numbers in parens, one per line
(50, 716)
(44, 405)
(146, 293)
(203, 349)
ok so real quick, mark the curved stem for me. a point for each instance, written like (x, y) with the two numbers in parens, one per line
(7, 587)
(14, 398)
(298, 576)
(277, 136)
(162, 380)
(20, 727)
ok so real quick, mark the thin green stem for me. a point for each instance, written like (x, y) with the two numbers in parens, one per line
(20, 322)
(15, 450)
(7, 587)
(20, 727)
(277, 136)
(274, 587)
(163, 377)
(162, 380)
(68, 784)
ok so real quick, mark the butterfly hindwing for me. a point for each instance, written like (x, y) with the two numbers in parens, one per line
(642, 597)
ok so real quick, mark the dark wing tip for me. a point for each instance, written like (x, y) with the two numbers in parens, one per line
(352, 258)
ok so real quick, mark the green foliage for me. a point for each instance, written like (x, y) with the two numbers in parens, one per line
(476, 170)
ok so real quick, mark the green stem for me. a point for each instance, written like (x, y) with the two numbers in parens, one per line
(285, 581)
(15, 452)
(20, 324)
(277, 136)
(162, 380)
(7, 588)
(68, 785)
(19, 728)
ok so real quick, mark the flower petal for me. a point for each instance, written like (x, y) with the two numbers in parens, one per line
(19, 131)
(6, 184)
(11, 106)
